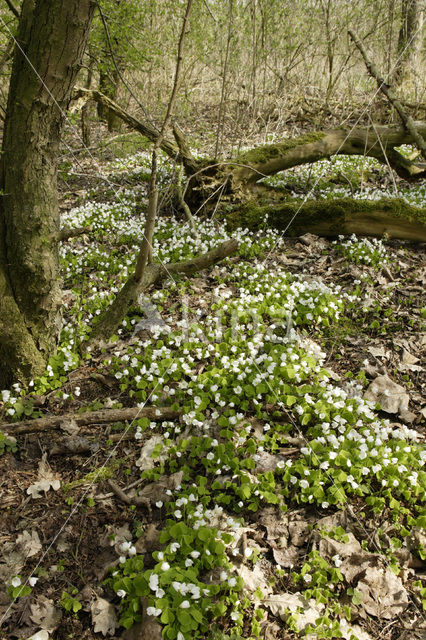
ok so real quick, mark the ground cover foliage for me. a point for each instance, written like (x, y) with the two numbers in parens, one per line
(287, 499)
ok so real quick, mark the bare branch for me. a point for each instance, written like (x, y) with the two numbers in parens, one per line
(388, 92)
(91, 417)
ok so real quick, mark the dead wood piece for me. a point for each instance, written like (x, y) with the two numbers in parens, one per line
(74, 445)
(66, 233)
(91, 417)
(118, 492)
(81, 96)
(121, 495)
(111, 318)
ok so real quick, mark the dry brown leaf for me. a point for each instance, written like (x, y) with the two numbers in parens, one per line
(383, 594)
(104, 618)
(408, 358)
(270, 630)
(276, 528)
(156, 491)
(349, 631)
(47, 479)
(329, 547)
(114, 536)
(40, 635)
(378, 352)
(29, 543)
(44, 614)
(149, 541)
(69, 426)
(284, 604)
(254, 578)
(391, 396)
(299, 531)
(145, 460)
(286, 558)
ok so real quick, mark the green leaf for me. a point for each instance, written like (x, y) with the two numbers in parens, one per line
(196, 614)
(167, 617)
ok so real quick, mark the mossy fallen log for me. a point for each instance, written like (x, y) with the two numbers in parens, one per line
(393, 218)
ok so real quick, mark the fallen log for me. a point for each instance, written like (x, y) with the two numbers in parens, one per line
(237, 181)
(380, 142)
(103, 416)
(393, 218)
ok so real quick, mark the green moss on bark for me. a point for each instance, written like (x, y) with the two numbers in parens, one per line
(268, 152)
(393, 217)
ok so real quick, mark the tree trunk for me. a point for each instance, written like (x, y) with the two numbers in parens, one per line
(409, 39)
(50, 43)
(108, 85)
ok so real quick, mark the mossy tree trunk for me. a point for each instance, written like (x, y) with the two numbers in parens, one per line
(50, 43)
(108, 85)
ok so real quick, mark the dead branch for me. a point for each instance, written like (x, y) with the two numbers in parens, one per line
(182, 202)
(81, 96)
(388, 92)
(13, 9)
(118, 492)
(111, 318)
(91, 417)
(67, 233)
(270, 159)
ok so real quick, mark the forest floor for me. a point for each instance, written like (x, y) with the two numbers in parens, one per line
(286, 500)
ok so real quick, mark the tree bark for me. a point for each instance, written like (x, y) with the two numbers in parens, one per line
(108, 85)
(51, 40)
(409, 39)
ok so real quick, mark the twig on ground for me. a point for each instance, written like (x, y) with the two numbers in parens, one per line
(91, 417)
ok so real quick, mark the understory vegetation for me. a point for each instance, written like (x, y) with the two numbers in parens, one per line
(288, 496)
